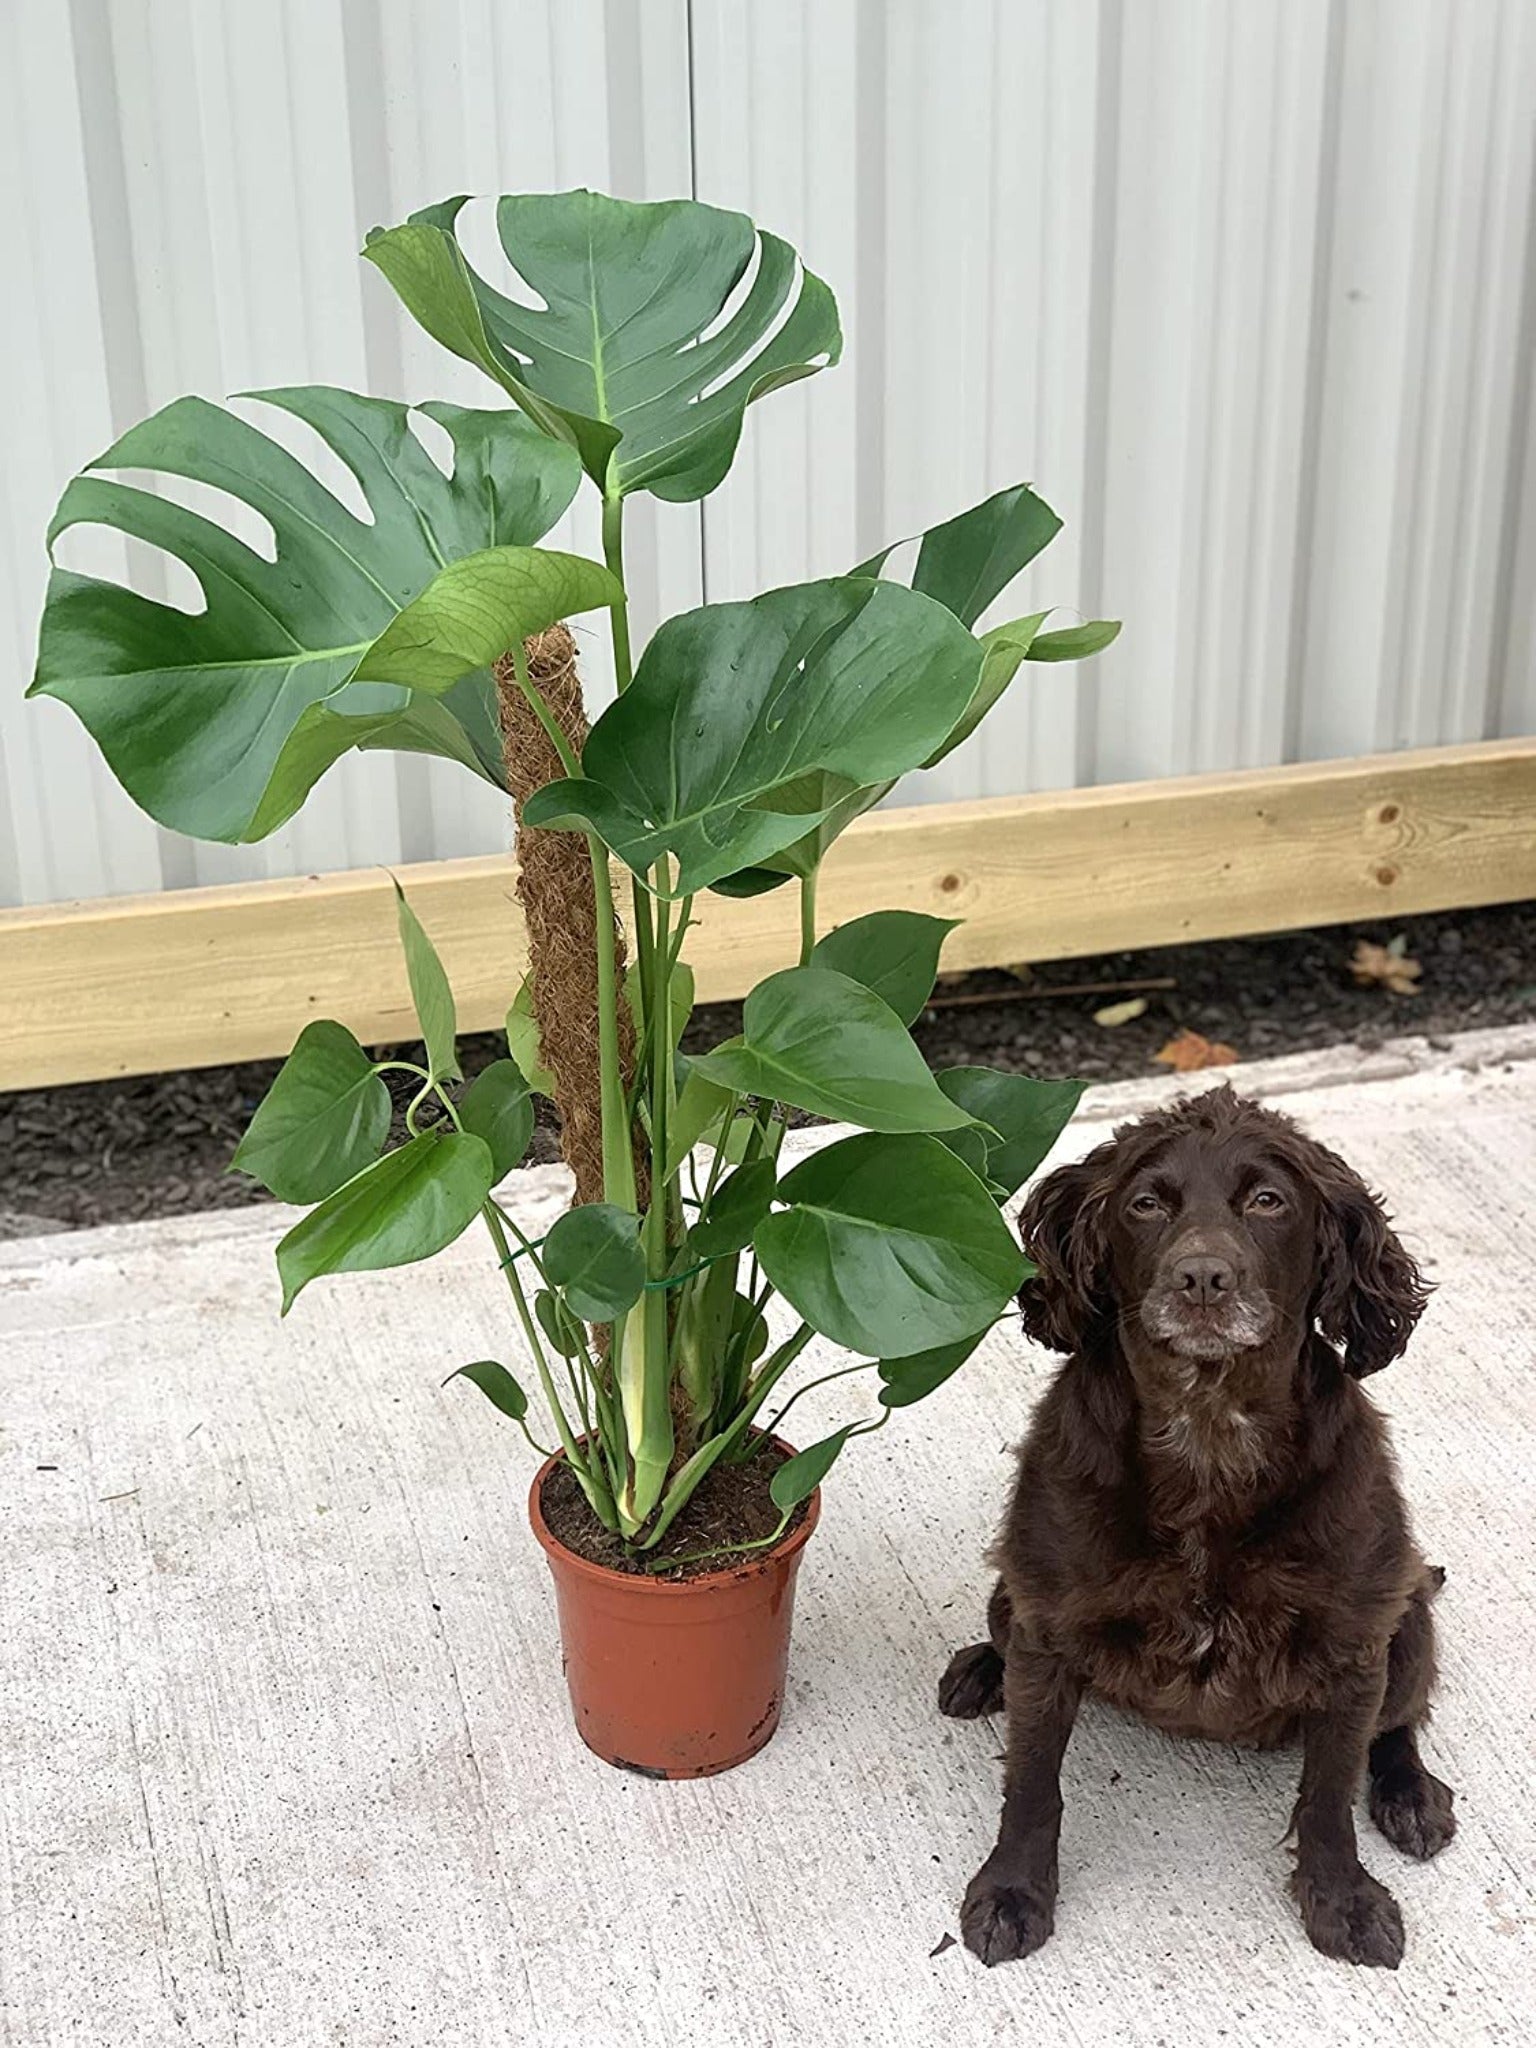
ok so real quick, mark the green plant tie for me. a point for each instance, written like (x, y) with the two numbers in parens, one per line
(672, 1279)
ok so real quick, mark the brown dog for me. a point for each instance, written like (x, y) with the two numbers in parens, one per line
(1207, 1526)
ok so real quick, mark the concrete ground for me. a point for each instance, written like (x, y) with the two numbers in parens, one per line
(285, 1757)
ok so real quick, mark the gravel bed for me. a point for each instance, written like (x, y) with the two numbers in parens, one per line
(112, 1151)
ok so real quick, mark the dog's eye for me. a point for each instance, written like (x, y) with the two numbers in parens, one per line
(1146, 1204)
(1267, 1199)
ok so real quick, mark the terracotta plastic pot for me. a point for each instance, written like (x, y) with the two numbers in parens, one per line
(675, 1678)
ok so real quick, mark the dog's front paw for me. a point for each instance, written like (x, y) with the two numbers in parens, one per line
(972, 1684)
(1414, 1810)
(1000, 1922)
(1348, 1914)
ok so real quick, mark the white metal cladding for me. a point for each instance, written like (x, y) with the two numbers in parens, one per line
(1249, 291)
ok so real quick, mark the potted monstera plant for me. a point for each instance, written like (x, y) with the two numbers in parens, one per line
(664, 1312)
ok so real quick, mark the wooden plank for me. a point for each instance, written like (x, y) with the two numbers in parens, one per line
(193, 978)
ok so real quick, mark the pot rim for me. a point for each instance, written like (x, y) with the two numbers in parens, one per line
(752, 1564)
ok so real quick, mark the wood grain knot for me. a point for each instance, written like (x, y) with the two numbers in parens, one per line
(949, 884)
(1386, 876)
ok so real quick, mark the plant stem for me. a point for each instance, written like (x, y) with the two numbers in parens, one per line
(808, 914)
(591, 1482)
(646, 1375)
(541, 710)
(667, 1564)
(863, 1365)
(687, 1477)
(623, 675)
(618, 1145)
(613, 555)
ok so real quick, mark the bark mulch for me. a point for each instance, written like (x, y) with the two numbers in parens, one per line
(112, 1151)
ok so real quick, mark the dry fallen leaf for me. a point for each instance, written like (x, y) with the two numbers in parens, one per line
(1120, 1013)
(1388, 967)
(1187, 1052)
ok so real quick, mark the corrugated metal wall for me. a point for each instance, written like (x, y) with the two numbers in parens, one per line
(1249, 290)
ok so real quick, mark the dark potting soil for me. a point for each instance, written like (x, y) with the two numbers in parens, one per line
(113, 1151)
(731, 1505)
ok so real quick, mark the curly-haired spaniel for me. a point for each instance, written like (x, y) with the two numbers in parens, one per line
(1207, 1526)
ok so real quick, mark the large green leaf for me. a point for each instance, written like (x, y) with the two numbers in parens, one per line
(962, 564)
(967, 561)
(894, 952)
(1028, 1116)
(889, 1246)
(627, 358)
(404, 1207)
(733, 702)
(825, 1043)
(219, 723)
(324, 1118)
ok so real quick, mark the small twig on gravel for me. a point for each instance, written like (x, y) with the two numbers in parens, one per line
(1064, 988)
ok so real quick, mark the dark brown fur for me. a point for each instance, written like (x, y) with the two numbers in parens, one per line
(1207, 1527)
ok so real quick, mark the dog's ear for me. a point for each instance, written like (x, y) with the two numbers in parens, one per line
(1062, 1229)
(1370, 1291)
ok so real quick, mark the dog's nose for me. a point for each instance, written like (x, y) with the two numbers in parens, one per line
(1204, 1278)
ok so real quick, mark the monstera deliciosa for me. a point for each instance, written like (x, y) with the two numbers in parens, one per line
(630, 340)
(220, 723)
(623, 359)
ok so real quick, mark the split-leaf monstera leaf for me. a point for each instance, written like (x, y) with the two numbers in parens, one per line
(219, 723)
(628, 358)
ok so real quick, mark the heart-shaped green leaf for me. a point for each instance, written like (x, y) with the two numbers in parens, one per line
(1028, 1117)
(405, 1207)
(734, 702)
(496, 1107)
(475, 609)
(593, 1256)
(893, 952)
(905, 1380)
(735, 1209)
(889, 1246)
(324, 1118)
(824, 1043)
(627, 357)
(497, 1385)
(431, 991)
(219, 723)
(798, 1477)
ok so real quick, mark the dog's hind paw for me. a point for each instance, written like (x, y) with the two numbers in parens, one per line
(972, 1684)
